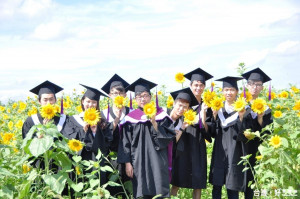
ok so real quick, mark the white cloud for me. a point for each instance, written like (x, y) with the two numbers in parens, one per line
(286, 46)
(47, 31)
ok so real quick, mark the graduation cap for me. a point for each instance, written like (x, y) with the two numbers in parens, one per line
(198, 75)
(46, 87)
(141, 85)
(116, 80)
(230, 81)
(185, 94)
(92, 93)
(256, 75)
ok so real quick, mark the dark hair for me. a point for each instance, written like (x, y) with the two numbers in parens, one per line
(102, 123)
(197, 81)
(183, 100)
(118, 88)
(138, 93)
(40, 96)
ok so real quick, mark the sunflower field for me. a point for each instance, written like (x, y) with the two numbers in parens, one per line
(277, 173)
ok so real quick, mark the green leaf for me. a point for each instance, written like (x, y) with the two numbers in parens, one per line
(106, 168)
(25, 189)
(245, 169)
(5, 192)
(56, 182)
(39, 146)
(94, 182)
(128, 186)
(99, 155)
(272, 161)
(284, 142)
(76, 158)
(62, 160)
(85, 163)
(77, 187)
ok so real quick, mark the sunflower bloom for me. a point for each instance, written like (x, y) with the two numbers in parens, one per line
(179, 77)
(277, 114)
(248, 96)
(259, 105)
(119, 101)
(275, 141)
(7, 138)
(2, 108)
(207, 97)
(159, 92)
(240, 104)
(284, 94)
(14, 105)
(48, 111)
(150, 110)
(297, 106)
(19, 124)
(26, 168)
(91, 116)
(217, 103)
(77, 170)
(22, 105)
(259, 157)
(10, 125)
(190, 117)
(213, 84)
(79, 109)
(170, 102)
(75, 145)
(295, 89)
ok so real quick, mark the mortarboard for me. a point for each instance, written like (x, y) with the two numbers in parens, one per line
(198, 75)
(46, 87)
(185, 94)
(141, 85)
(256, 75)
(116, 80)
(92, 93)
(230, 81)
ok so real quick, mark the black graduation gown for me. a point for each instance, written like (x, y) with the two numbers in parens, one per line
(29, 123)
(146, 149)
(101, 140)
(253, 145)
(189, 168)
(229, 147)
(116, 190)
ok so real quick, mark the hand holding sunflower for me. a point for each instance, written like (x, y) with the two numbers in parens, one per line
(190, 117)
(150, 110)
(91, 116)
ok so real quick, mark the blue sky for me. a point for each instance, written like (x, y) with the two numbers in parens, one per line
(72, 42)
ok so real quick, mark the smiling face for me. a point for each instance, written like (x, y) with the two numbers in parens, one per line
(230, 94)
(114, 92)
(197, 88)
(143, 98)
(88, 103)
(180, 106)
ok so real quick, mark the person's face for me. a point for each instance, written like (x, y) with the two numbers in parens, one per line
(255, 87)
(114, 93)
(143, 99)
(230, 94)
(197, 88)
(88, 103)
(47, 98)
(180, 106)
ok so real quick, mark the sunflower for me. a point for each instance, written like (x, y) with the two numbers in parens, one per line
(14, 105)
(273, 95)
(259, 157)
(297, 106)
(275, 141)
(207, 97)
(26, 168)
(217, 103)
(240, 104)
(159, 92)
(48, 111)
(2, 108)
(259, 105)
(7, 138)
(295, 89)
(248, 96)
(150, 110)
(190, 117)
(179, 77)
(277, 114)
(22, 105)
(10, 125)
(284, 94)
(91, 116)
(170, 102)
(119, 101)
(19, 124)
(79, 109)
(75, 145)
(77, 170)
(213, 84)
(32, 111)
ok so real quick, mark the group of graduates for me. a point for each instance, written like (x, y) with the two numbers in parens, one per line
(162, 150)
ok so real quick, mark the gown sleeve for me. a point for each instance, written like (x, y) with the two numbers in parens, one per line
(27, 126)
(124, 149)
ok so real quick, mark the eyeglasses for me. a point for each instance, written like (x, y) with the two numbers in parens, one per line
(139, 97)
(116, 94)
(252, 84)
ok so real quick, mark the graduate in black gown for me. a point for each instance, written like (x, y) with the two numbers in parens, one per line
(46, 94)
(227, 127)
(183, 100)
(94, 137)
(114, 115)
(191, 167)
(255, 80)
(143, 145)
